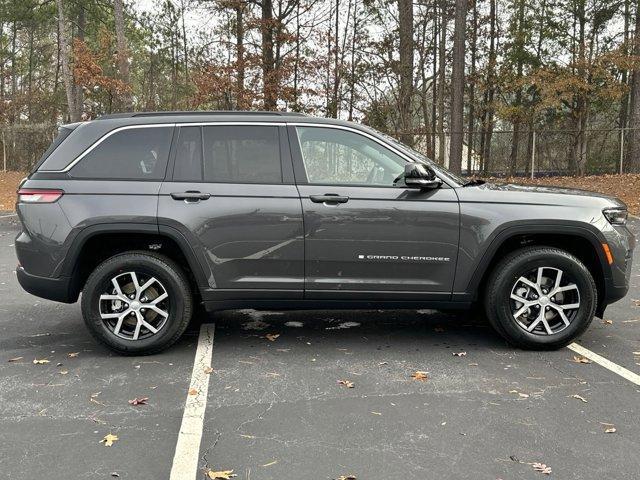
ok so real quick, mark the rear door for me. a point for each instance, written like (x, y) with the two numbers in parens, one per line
(231, 194)
(364, 237)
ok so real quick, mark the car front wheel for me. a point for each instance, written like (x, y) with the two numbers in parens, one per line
(137, 303)
(540, 298)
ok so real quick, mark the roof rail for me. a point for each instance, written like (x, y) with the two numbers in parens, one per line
(201, 112)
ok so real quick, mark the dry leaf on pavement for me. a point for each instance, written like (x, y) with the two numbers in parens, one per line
(272, 336)
(608, 322)
(208, 370)
(347, 477)
(73, 354)
(346, 383)
(459, 354)
(193, 391)
(139, 401)
(109, 439)
(221, 474)
(610, 430)
(581, 398)
(580, 359)
(40, 362)
(542, 468)
(15, 359)
(420, 375)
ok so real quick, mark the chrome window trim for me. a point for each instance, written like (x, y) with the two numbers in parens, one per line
(156, 125)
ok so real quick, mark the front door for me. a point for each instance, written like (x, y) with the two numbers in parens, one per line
(230, 195)
(364, 237)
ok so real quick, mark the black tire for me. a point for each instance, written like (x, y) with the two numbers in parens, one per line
(145, 264)
(499, 304)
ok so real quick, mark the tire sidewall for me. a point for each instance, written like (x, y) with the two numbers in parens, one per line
(98, 284)
(555, 259)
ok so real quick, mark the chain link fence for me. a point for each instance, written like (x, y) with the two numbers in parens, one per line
(23, 144)
(538, 152)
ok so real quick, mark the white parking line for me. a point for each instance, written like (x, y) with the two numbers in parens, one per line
(185, 460)
(608, 364)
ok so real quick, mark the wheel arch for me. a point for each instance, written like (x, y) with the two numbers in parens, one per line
(582, 241)
(95, 243)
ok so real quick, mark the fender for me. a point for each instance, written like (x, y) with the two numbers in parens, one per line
(551, 227)
(72, 257)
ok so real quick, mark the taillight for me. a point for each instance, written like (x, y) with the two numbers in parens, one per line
(39, 195)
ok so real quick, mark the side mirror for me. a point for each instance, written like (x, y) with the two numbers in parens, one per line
(417, 175)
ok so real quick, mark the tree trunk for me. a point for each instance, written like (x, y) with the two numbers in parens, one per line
(633, 158)
(472, 88)
(67, 74)
(457, 88)
(487, 120)
(269, 86)
(77, 89)
(126, 100)
(441, 74)
(405, 24)
(241, 100)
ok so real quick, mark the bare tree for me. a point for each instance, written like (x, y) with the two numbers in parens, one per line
(405, 24)
(75, 111)
(457, 87)
(633, 163)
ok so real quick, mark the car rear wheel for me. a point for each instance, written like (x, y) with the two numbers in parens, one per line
(137, 303)
(540, 298)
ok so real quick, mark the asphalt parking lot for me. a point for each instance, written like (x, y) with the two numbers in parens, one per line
(275, 409)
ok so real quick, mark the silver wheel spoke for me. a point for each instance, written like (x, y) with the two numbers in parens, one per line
(118, 326)
(114, 297)
(136, 332)
(107, 316)
(159, 299)
(147, 284)
(150, 327)
(136, 284)
(521, 310)
(539, 277)
(563, 316)
(528, 282)
(157, 310)
(558, 280)
(535, 323)
(568, 306)
(116, 285)
(566, 288)
(546, 325)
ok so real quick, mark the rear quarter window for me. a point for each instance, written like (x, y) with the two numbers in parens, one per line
(129, 154)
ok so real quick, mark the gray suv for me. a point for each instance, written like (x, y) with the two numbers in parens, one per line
(152, 214)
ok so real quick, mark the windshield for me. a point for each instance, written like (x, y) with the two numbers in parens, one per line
(416, 155)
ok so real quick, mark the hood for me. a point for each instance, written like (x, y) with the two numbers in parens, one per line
(540, 194)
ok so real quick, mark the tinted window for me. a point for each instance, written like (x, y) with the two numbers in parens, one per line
(232, 154)
(189, 155)
(332, 156)
(136, 154)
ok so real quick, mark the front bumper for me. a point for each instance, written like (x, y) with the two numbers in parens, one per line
(58, 289)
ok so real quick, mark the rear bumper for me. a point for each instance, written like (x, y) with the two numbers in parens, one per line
(58, 289)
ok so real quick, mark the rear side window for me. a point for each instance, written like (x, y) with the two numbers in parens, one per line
(130, 154)
(229, 154)
(63, 133)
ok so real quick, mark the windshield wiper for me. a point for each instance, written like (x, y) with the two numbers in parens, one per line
(475, 181)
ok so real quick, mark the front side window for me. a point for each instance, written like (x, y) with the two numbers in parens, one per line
(229, 154)
(333, 157)
(130, 154)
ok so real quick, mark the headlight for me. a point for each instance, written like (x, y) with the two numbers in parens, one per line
(616, 216)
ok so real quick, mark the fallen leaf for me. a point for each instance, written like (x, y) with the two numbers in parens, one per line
(208, 370)
(523, 395)
(608, 322)
(115, 474)
(15, 359)
(578, 397)
(346, 383)
(376, 413)
(270, 463)
(459, 354)
(221, 474)
(635, 353)
(139, 401)
(272, 336)
(580, 359)
(63, 372)
(419, 375)
(73, 354)
(109, 439)
(383, 363)
(610, 430)
(542, 468)
(193, 391)
(40, 362)
(346, 477)
(473, 364)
